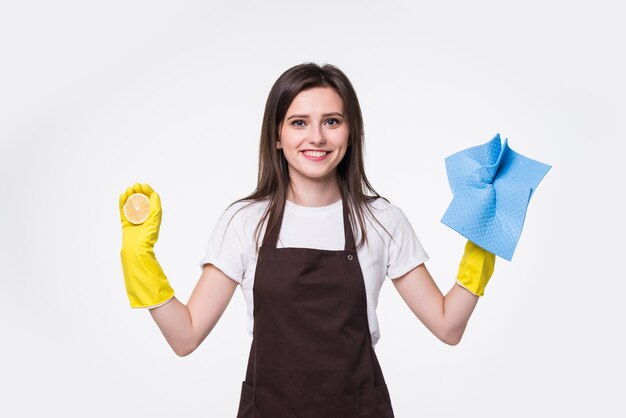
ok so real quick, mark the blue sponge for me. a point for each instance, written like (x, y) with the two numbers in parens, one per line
(492, 186)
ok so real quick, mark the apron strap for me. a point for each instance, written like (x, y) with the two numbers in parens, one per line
(270, 239)
(347, 228)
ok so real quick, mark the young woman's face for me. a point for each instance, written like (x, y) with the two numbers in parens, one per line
(314, 134)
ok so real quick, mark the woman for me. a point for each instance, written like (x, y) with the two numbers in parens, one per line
(312, 283)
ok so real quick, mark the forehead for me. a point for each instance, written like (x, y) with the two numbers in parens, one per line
(316, 100)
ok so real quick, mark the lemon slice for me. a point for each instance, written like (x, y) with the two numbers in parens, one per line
(136, 208)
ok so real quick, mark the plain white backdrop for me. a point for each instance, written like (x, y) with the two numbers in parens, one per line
(95, 96)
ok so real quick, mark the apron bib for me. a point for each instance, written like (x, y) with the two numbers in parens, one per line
(311, 353)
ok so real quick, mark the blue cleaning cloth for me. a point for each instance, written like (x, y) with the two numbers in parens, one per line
(492, 186)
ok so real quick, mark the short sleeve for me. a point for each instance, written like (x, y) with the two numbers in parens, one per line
(225, 248)
(404, 250)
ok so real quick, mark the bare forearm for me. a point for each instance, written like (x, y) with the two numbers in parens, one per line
(458, 306)
(174, 321)
(186, 326)
(445, 316)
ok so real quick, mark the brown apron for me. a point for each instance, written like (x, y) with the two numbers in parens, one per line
(311, 353)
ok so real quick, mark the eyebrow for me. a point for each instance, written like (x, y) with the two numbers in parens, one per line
(323, 115)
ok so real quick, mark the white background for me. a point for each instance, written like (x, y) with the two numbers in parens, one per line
(97, 95)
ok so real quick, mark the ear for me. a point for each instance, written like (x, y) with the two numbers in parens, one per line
(279, 145)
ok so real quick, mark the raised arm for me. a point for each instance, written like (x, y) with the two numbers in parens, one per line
(447, 317)
(184, 326)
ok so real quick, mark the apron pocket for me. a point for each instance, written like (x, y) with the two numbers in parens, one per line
(246, 403)
(373, 403)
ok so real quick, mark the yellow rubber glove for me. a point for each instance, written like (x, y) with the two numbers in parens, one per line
(476, 268)
(146, 284)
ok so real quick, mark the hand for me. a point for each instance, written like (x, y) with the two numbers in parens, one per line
(148, 231)
(476, 268)
(146, 284)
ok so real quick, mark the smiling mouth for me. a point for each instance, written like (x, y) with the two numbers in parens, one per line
(316, 154)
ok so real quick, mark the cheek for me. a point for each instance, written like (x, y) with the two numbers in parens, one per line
(281, 132)
(340, 136)
(290, 135)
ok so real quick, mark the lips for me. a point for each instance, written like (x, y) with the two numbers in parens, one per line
(314, 155)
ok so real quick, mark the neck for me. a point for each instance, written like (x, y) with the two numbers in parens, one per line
(314, 192)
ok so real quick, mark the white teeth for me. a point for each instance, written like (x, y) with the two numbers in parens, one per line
(315, 153)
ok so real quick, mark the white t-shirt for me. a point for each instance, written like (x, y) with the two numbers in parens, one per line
(231, 246)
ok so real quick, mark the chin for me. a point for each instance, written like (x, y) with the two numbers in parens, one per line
(316, 175)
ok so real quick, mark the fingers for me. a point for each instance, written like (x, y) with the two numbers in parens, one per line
(142, 188)
(147, 190)
(129, 191)
(122, 199)
(155, 201)
(136, 188)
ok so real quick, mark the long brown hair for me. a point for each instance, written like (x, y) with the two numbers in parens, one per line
(273, 175)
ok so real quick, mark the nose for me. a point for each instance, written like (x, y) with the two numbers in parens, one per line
(317, 135)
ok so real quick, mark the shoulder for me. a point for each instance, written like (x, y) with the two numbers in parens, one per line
(245, 208)
(242, 213)
(385, 212)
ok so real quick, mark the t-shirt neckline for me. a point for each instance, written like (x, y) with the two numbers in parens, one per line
(298, 208)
